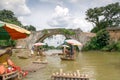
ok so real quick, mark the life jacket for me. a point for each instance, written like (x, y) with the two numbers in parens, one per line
(9, 61)
(16, 67)
(2, 69)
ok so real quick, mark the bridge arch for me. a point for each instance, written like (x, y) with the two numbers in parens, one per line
(46, 36)
(39, 36)
(49, 32)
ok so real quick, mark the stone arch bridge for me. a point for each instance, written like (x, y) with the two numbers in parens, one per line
(39, 36)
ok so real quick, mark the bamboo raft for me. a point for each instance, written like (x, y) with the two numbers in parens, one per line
(67, 59)
(40, 62)
(69, 76)
(33, 67)
(23, 57)
(12, 75)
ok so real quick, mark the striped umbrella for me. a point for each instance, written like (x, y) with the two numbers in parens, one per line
(12, 31)
(39, 44)
(73, 42)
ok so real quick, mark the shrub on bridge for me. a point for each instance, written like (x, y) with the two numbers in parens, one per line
(45, 31)
(67, 32)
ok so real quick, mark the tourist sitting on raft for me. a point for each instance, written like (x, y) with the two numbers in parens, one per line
(40, 52)
(37, 50)
(69, 52)
(32, 51)
(7, 65)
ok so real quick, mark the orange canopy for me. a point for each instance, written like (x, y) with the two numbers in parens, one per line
(12, 31)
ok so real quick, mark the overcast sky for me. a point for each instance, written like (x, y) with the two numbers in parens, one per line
(45, 14)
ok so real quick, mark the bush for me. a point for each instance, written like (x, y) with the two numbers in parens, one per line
(113, 46)
(7, 42)
(118, 46)
(110, 47)
(98, 42)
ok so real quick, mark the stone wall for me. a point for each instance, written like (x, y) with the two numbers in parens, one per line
(114, 33)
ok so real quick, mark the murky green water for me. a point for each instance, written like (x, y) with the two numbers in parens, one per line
(98, 66)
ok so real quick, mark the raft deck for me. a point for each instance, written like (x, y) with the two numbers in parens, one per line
(61, 77)
(67, 59)
(69, 76)
(40, 62)
(11, 75)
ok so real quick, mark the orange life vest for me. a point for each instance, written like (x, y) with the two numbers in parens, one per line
(2, 69)
(10, 62)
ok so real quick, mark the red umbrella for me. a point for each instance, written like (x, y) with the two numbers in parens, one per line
(73, 42)
(12, 31)
(39, 44)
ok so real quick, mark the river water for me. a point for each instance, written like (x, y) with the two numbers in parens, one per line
(97, 65)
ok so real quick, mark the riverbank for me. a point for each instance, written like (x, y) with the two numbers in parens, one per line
(99, 51)
(26, 62)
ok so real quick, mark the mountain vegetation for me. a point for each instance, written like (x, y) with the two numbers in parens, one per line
(9, 17)
(101, 18)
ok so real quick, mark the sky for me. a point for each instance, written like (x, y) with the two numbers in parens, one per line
(44, 14)
(55, 40)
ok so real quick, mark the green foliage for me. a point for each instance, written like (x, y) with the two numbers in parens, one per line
(118, 46)
(101, 42)
(8, 16)
(11, 42)
(102, 38)
(67, 32)
(30, 28)
(98, 42)
(102, 17)
(7, 42)
(45, 31)
(50, 47)
(92, 45)
(113, 46)
(59, 47)
(110, 47)
(46, 47)
(102, 26)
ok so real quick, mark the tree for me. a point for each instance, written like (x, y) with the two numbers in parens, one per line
(30, 28)
(102, 17)
(8, 16)
(112, 14)
(102, 38)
